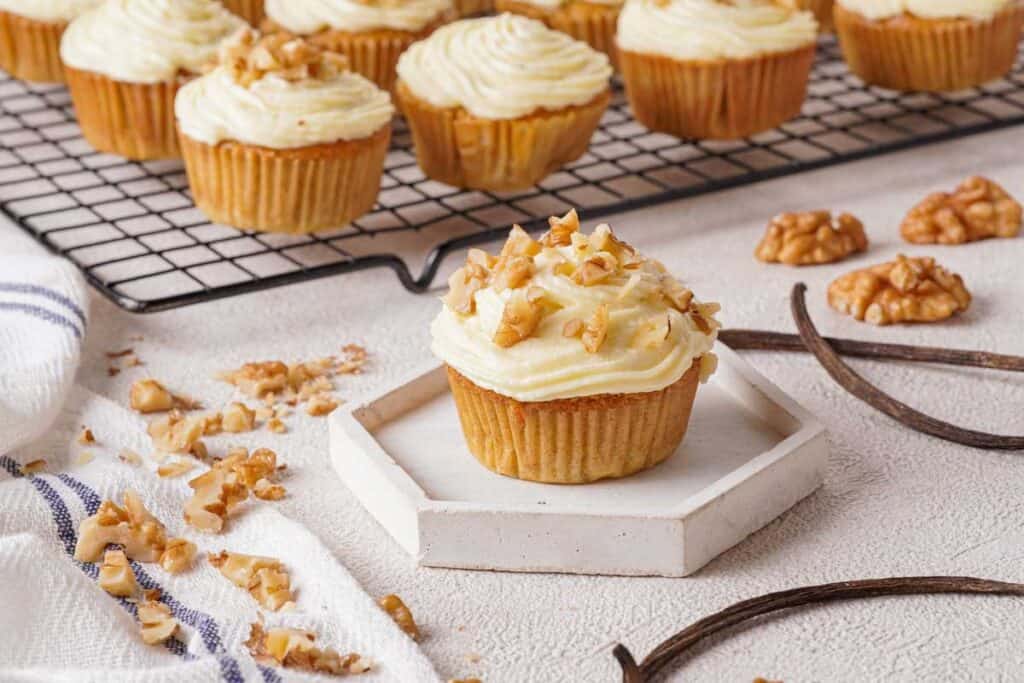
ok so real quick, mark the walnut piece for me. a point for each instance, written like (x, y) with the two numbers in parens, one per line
(977, 209)
(177, 433)
(561, 230)
(265, 578)
(158, 625)
(149, 396)
(596, 330)
(250, 57)
(227, 484)
(86, 437)
(652, 333)
(116, 576)
(178, 555)
(321, 404)
(520, 317)
(265, 490)
(132, 526)
(33, 467)
(905, 290)
(295, 649)
(596, 269)
(129, 457)
(465, 282)
(237, 417)
(811, 238)
(174, 469)
(676, 293)
(397, 610)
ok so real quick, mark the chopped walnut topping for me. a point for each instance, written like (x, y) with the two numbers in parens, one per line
(260, 464)
(237, 417)
(86, 437)
(652, 333)
(250, 57)
(275, 425)
(265, 578)
(520, 317)
(519, 243)
(810, 238)
(132, 526)
(116, 576)
(676, 293)
(977, 209)
(904, 290)
(258, 379)
(321, 404)
(178, 555)
(596, 330)
(603, 239)
(177, 433)
(561, 230)
(463, 285)
(33, 467)
(397, 610)
(265, 490)
(596, 269)
(295, 649)
(174, 469)
(512, 272)
(158, 625)
(708, 366)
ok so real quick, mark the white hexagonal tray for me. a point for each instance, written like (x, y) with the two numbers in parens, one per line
(750, 454)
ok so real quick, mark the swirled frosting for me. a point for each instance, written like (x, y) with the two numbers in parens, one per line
(926, 9)
(503, 67)
(654, 330)
(147, 41)
(48, 10)
(306, 17)
(555, 4)
(711, 29)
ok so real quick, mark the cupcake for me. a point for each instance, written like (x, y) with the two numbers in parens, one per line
(126, 59)
(282, 137)
(572, 358)
(925, 45)
(250, 10)
(500, 102)
(592, 21)
(371, 33)
(821, 9)
(30, 36)
(472, 8)
(714, 69)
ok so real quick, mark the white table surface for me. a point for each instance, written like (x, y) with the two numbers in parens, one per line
(894, 502)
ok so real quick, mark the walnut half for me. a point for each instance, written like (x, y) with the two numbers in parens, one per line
(811, 238)
(977, 209)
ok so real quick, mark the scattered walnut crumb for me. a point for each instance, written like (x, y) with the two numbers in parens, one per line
(258, 379)
(275, 425)
(265, 578)
(33, 467)
(977, 209)
(464, 680)
(473, 658)
(113, 371)
(132, 526)
(295, 649)
(85, 457)
(158, 625)
(265, 490)
(177, 433)
(238, 417)
(596, 330)
(175, 469)
(149, 396)
(397, 610)
(178, 555)
(120, 354)
(116, 576)
(811, 238)
(86, 437)
(129, 457)
(227, 484)
(322, 404)
(133, 361)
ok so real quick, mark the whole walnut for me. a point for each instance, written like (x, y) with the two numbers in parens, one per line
(978, 209)
(811, 238)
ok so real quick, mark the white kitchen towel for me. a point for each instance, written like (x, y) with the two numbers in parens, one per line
(56, 624)
(42, 325)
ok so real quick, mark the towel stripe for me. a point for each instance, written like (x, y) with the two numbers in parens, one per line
(42, 314)
(46, 293)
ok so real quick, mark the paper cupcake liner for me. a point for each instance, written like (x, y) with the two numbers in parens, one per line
(295, 191)
(250, 10)
(577, 440)
(907, 53)
(822, 11)
(134, 120)
(721, 99)
(472, 8)
(374, 54)
(593, 23)
(30, 49)
(462, 150)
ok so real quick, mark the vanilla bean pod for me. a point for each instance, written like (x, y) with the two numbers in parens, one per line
(875, 397)
(764, 340)
(736, 614)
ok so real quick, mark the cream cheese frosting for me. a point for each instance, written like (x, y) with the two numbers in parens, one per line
(147, 41)
(503, 67)
(306, 17)
(555, 4)
(651, 342)
(926, 9)
(48, 10)
(711, 29)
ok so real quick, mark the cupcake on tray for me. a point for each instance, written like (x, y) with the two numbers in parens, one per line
(927, 45)
(572, 358)
(250, 10)
(282, 137)
(500, 102)
(592, 21)
(715, 69)
(371, 33)
(125, 61)
(30, 34)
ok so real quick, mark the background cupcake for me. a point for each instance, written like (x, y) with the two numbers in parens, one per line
(821, 9)
(126, 59)
(574, 358)
(371, 33)
(250, 10)
(472, 8)
(712, 69)
(592, 21)
(30, 32)
(927, 45)
(500, 102)
(282, 137)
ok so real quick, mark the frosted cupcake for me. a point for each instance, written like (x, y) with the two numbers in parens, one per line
(371, 33)
(125, 61)
(927, 45)
(30, 32)
(592, 21)
(713, 69)
(250, 10)
(282, 137)
(574, 358)
(500, 102)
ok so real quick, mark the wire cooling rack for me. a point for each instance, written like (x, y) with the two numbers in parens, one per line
(133, 230)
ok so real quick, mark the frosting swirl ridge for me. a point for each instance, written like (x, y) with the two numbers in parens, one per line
(926, 9)
(306, 17)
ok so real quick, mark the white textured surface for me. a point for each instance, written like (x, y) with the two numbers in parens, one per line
(893, 502)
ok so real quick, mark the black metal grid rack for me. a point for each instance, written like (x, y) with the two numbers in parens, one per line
(135, 233)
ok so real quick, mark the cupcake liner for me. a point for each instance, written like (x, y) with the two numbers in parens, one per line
(134, 120)
(30, 49)
(576, 440)
(250, 10)
(295, 191)
(374, 54)
(822, 11)
(472, 8)
(462, 150)
(593, 23)
(907, 53)
(720, 99)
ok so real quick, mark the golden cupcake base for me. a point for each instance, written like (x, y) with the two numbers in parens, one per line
(720, 99)
(133, 120)
(30, 49)
(907, 53)
(462, 150)
(576, 440)
(593, 23)
(295, 191)
(374, 54)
